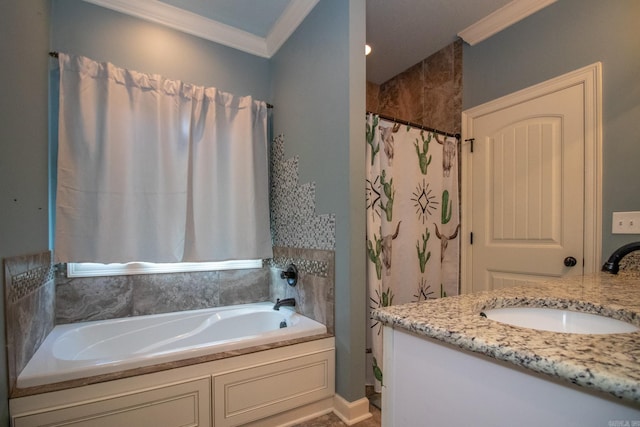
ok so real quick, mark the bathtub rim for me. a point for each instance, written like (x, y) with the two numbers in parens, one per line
(61, 332)
(18, 391)
(87, 393)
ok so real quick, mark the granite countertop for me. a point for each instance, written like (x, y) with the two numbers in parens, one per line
(608, 363)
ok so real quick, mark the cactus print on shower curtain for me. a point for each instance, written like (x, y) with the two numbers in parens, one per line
(412, 220)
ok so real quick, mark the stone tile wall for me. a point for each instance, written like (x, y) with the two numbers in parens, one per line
(301, 237)
(98, 298)
(428, 93)
(29, 308)
(314, 292)
(294, 222)
(373, 97)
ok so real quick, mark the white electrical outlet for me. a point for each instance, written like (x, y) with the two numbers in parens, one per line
(626, 223)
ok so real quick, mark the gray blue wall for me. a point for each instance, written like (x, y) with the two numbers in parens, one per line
(24, 43)
(316, 73)
(322, 62)
(563, 37)
(103, 35)
(318, 87)
(311, 83)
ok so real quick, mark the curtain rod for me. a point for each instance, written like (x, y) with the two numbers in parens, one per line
(54, 54)
(415, 125)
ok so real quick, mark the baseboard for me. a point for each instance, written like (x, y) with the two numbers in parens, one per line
(351, 412)
(296, 415)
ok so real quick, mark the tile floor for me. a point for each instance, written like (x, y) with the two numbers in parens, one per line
(332, 420)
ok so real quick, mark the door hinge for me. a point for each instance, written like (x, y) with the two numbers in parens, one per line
(471, 238)
(470, 140)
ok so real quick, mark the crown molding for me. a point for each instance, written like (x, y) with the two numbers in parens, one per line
(290, 19)
(209, 29)
(502, 18)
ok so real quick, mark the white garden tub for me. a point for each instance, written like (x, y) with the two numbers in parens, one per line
(86, 349)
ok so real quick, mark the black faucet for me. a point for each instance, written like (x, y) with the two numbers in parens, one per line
(282, 302)
(290, 275)
(612, 264)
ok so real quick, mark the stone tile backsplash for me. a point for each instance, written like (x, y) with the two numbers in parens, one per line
(98, 298)
(302, 237)
(29, 308)
(294, 222)
(314, 292)
(631, 263)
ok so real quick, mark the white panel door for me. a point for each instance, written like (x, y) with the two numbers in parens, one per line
(530, 198)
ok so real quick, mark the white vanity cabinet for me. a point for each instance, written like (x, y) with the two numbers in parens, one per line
(430, 383)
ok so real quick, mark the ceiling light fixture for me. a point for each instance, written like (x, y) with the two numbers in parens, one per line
(367, 49)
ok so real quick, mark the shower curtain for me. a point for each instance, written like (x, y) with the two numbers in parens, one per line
(413, 226)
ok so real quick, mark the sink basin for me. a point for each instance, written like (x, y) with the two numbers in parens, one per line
(556, 320)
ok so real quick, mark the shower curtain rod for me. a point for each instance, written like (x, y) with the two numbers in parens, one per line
(54, 54)
(415, 125)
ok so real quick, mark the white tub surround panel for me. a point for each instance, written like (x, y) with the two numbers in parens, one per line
(279, 386)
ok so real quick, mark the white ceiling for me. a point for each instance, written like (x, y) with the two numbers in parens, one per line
(401, 32)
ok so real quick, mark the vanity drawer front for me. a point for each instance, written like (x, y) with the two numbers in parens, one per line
(185, 404)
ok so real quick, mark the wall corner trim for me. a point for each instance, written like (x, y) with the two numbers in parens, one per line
(351, 412)
(215, 31)
(502, 18)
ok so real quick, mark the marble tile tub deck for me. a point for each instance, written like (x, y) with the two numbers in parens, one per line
(606, 363)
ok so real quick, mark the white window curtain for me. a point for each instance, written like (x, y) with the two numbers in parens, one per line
(157, 170)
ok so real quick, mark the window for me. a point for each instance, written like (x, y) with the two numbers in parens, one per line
(157, 169)
(87, 269)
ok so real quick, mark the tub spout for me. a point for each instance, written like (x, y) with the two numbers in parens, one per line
(612, 264)
(287, 301)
